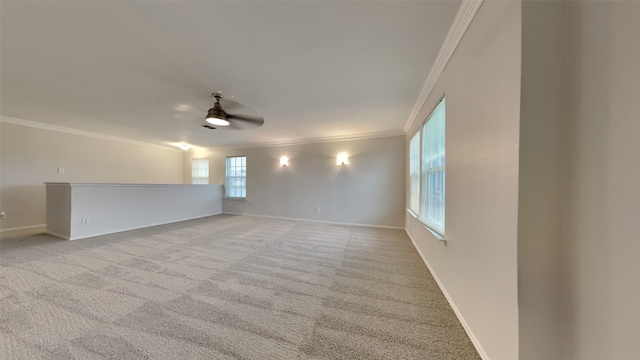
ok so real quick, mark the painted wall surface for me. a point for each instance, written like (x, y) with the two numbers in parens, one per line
(478, 266)
(31, 156)
(58, 211)
(602, 241)
(542, 114)
(369, 190)
(110, 208)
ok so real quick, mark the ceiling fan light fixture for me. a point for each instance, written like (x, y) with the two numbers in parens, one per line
(236, 120)
(215, 115)
(218, 121)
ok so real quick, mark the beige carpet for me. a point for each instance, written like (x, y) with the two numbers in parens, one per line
(225, 287)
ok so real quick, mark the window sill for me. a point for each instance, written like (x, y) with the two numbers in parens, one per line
(440, 238)
(436, 235)
(236, 198)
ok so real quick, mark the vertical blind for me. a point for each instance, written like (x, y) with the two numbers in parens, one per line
(414, 173)
(199, 171)
(432, 199)
(236, 177)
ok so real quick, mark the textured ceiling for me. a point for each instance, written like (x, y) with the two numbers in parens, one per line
(144, 70)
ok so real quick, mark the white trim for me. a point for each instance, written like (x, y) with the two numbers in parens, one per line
(461, 22)
(412, 213)
(62, 129)
(21, 228)
(318, 221)
(65, 237)
(311, 140)
(74, 237)
(436, 235)
(39, 125)
(67, 184)
(467, 329)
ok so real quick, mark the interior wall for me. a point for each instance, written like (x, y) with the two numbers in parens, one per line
(478, 267)
(369, 190)
(31, 156)
(602, 247)
(542, 114)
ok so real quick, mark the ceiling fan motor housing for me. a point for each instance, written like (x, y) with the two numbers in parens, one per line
(216, 111)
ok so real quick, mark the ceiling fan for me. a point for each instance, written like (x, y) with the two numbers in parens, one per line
(217, 118)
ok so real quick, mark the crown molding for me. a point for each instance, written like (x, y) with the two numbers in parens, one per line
(461, 22)
(312, 140)
(39, 125)
(62, 129)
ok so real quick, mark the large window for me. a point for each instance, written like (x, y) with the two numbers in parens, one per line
(199, 171)
(414, 173)
(236, 177)
(432, 194)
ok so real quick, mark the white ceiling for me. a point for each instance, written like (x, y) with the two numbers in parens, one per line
(143, 70)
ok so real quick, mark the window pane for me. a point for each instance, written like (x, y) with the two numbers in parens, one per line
(414, 173)
(235, 177)
(199, 171)
(432, 197)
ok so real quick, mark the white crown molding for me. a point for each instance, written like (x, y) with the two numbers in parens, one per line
(39, 125)
(461, 22)
(311, 140)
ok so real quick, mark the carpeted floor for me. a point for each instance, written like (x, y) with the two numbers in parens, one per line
(225, 287)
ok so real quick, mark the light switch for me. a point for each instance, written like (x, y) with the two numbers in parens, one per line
(60, 170)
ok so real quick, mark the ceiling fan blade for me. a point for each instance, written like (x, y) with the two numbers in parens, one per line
(250, 119)
(243, 122)
(240, 117)
(231, 106)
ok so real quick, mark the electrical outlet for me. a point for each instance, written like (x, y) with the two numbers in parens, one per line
(60, 170)
(85, 219)
(317, 210)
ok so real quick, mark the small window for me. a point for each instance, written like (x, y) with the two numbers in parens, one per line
(199, 171)
(236, 177)
(432, 193)
(414, 173)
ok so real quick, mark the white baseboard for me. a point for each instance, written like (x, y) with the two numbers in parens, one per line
(119, 230)
(58, 235)
(22, 228)
(466, 327)
(319, 221)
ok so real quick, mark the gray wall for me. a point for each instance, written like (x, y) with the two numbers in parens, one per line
(602, 185)
(478, 267)
(577, 209)
(369, 190)
(31, 156)
(542, 114)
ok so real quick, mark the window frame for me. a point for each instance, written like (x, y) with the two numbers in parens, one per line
(414, 173)
(234, 178)
(432, 208)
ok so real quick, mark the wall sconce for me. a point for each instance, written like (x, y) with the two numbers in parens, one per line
(284, 161)
(343, 158)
